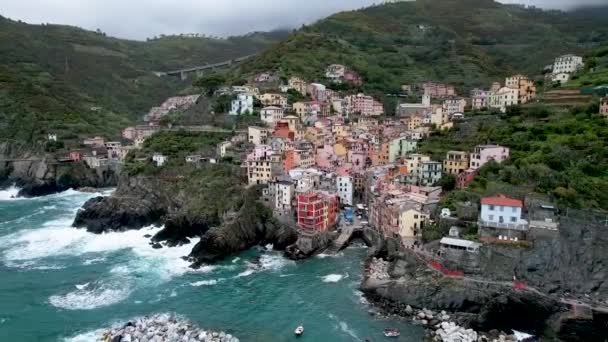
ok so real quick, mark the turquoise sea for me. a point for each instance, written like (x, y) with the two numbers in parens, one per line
(61, 283)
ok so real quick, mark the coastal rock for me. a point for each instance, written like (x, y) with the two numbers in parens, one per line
(38, 173)
(252, 224)
(102, 214)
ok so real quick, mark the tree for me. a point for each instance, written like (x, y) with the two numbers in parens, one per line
(447, 182)
(210, 83)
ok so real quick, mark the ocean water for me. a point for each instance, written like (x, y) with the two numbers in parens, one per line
(60, 283)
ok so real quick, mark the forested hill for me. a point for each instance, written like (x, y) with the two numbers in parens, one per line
(464, 42)
(73, 81)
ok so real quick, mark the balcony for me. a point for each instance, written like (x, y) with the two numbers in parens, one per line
(522, 227)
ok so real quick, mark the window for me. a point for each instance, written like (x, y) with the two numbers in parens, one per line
(513, 219)
(491, 217)
(491, 207)
(514, 209)
(502, 208)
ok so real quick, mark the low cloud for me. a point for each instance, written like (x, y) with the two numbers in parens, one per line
(138, 19)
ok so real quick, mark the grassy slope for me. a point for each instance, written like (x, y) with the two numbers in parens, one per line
(466, 42)
(590, 77)
(38, 93)
(562, 153)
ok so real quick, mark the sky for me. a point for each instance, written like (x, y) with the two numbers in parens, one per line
(140, 19)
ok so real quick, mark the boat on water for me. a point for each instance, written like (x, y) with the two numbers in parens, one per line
(299, 330)
(390, 332)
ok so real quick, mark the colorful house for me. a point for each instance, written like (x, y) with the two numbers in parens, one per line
(317, 211)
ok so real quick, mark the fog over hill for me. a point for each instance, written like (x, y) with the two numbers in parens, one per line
(221, 18)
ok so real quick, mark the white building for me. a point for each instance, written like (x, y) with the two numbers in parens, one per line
(223, 148)
(52, 137)
(335, 72)
(503, 98)
(242, 104)
(284, 195)
(345, 189)
(271, 115)
(159, 159)
(503, 215)
(567, 64)
(454, 105)
(561, 77)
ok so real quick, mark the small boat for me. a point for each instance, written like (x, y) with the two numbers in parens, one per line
(389, 332)
(299, 330)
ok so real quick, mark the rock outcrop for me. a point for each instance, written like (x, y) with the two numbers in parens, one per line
(227, 223)
(252, 224)
(483, 305)
(38, 174)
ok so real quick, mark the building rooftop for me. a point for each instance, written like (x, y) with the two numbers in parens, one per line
(502, 200)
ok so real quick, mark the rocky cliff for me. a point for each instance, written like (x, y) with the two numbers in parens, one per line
(38, 174)
(208, 202)
(481, 304)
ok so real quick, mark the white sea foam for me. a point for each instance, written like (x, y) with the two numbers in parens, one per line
(323, 255)
(521, 335)
(9, 194)
(245, 273)
(93, 261)
(98, 296)
(206, 282)
(87, 336)
(343, 326)
(235, 260)
(82, 286)
(332, 278)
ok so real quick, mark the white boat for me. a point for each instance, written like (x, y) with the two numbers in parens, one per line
(299, 330)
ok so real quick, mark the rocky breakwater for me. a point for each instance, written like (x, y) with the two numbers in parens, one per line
(161, 327)
(412, 288)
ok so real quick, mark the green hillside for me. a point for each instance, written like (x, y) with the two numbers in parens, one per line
(464, 42)
(72, 81)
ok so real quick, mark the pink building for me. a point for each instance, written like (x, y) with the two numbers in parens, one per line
(357, 160)
(259, 152)
(326, 158)
(485, 153)
(353, 78)
(94, 142)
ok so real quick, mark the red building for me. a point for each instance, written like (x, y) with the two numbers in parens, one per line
(465, 178)
(75, 156)
(281, 130)
(317, 211)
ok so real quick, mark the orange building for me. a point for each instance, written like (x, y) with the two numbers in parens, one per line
(317, 211)
(290, 160)
(282, 130)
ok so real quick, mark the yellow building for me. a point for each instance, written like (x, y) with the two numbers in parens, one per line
(298, 84)
(526, 87)
(411, 223)
(456, 162)
(414, 122)
(263, 170)
(340, 150)
(276, 100)
(258, 135)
